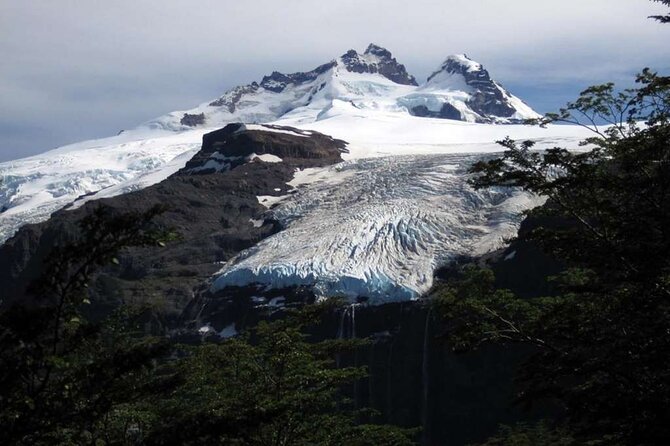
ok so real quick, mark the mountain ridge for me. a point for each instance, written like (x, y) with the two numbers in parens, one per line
(364, 106)
(358, 77)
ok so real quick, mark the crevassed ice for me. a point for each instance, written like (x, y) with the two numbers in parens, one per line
(31, 189)
(379, 227)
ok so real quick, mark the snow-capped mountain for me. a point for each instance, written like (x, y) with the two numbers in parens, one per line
(377, 224)
(460, 89)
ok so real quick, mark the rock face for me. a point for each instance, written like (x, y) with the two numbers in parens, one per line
(217, 213)
(192, 120)
(237, 143)
(230, 98)
(486, 98)
(415, 380)
(376, 59)
(277, 82)
(447, 111)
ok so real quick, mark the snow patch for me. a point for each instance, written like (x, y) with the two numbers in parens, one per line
(256, 223)
(270, 200)
(228, 331)
(206, 329)
(266, 157)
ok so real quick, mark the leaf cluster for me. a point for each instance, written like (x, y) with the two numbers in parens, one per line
(662, 18)
(59, 373)
(599, 346)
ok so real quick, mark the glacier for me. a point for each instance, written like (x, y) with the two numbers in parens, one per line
(33, 188)
(378, 227)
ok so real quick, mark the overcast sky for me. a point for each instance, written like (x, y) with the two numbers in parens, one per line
(73, 70)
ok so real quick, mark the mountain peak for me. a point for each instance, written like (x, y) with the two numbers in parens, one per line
(379, 51)
(488, 99)
(377, 59)
(460, 89)
(460, 64)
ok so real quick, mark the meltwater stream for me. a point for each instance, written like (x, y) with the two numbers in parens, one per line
(379, 227)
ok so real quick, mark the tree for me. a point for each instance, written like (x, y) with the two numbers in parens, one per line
(600, 345)
(60, 374)
(662, 18)
(271, 387)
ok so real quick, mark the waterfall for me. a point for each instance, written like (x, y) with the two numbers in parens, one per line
(425, 378)
(343, 316)
(347, 328)
(341, 334)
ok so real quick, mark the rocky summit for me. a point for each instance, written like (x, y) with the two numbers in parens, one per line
(460, 89)
(488, 98)
(376, 59)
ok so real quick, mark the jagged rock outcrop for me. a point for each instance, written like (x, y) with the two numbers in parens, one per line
(447, 111)
(230, 98)
(277, 82)
(376, 59)
(190, 120)
(236, 143)
(489, 101)
(488, 98)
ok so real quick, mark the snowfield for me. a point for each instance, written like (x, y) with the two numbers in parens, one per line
(33, 188)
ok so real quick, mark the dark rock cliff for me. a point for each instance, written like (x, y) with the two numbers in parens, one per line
(386, 64)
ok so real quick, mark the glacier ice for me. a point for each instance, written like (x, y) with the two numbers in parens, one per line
(379, 227)
(31, 189)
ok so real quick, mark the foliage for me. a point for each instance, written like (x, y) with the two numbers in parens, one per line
(59, 373)
(600, 346)
(662, 18)
(272, 387)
